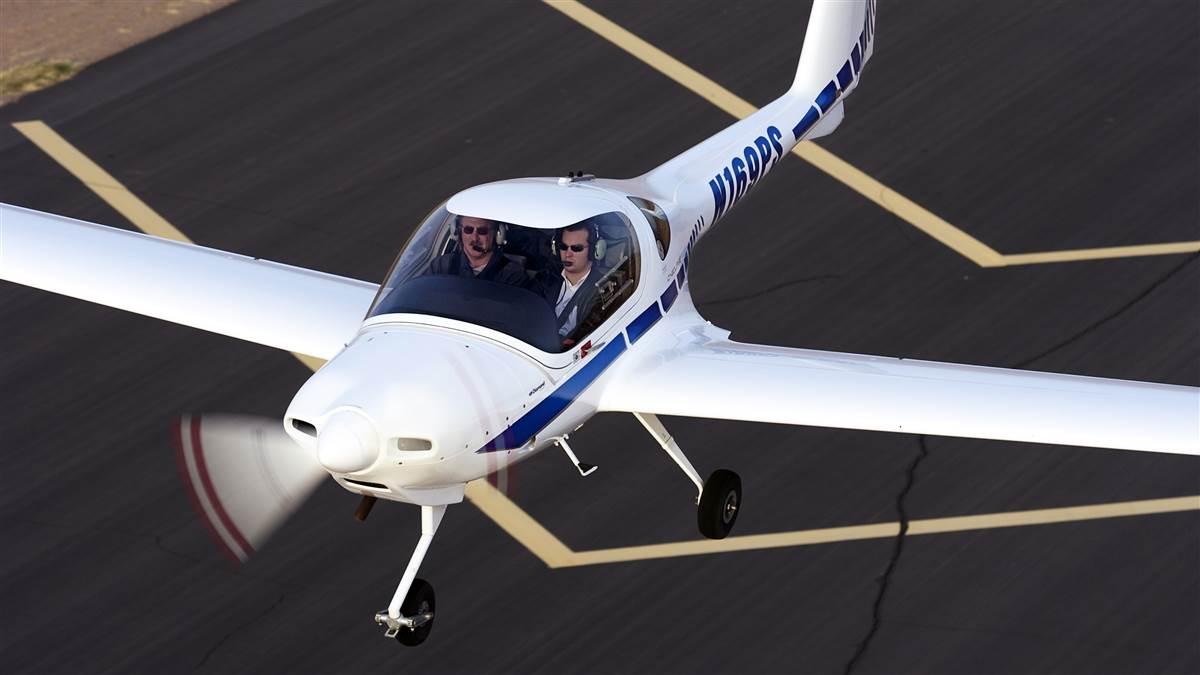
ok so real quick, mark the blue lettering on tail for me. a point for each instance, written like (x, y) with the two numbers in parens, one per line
(718, 190)
(743, 171)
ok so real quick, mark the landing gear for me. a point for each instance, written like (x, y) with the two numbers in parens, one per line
(409, 617)
(719, 502)
(719, 497)
(419, 607)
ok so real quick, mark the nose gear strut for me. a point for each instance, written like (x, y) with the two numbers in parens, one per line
(409, 617)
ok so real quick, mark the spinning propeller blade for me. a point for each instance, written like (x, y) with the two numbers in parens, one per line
(245, 476)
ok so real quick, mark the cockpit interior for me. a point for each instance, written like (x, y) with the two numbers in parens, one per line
(547, 287)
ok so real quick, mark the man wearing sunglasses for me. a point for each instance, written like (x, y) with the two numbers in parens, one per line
(573, 291)
(478, 255)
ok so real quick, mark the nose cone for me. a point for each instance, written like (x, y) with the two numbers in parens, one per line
(347, 443)
(448, 391)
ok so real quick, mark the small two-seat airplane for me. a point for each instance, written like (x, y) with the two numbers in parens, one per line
(521, 308)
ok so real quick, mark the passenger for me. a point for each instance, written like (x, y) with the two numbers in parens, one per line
(573, 292)
(478, 255)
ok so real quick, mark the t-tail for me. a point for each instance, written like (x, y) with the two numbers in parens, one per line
(711, 177)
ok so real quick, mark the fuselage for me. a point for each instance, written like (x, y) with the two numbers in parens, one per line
(417, 405)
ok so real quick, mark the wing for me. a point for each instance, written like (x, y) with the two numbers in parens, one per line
(689, 368)
(272, 304)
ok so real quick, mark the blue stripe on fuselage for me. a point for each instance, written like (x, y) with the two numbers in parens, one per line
(827, 96)
(810, 118)
(552, 406)
(669, 295)
(645, 320)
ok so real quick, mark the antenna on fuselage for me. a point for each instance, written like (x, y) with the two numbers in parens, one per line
(576, 177)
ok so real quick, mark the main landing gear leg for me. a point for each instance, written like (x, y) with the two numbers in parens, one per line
(720, 496)
(410, 616)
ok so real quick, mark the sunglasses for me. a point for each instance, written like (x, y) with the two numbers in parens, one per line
(471, 229)
(578, 248)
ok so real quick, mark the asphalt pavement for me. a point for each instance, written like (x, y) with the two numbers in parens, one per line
(319, 134)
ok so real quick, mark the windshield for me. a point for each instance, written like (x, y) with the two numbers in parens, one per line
(549, 288)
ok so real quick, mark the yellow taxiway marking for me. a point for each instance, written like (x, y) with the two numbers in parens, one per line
(98, 180)
(1100, 253)
(985, 521)
(904, 208)
(532, 534)
(113, 192)
(519, 524)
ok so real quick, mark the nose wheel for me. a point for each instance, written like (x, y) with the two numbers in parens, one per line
(416, 615)
(719, 503)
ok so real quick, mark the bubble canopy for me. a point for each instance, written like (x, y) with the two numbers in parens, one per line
(548, 285)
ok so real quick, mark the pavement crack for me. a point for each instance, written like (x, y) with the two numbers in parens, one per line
(771, 289)
(1110, 316)
(877, 611)
(246, 624)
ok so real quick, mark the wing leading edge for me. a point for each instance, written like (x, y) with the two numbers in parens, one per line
(691, 369)
(256, 300)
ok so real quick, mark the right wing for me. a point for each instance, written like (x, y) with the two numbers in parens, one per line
(256, 300)
(687, 367)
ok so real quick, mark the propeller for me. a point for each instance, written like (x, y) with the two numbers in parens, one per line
(245, 476)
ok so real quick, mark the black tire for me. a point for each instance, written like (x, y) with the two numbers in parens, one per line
(420, 599)
(720, 503)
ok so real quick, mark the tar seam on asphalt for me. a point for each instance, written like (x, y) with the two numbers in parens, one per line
(896, 551)
(1105, 319)
(769, 289)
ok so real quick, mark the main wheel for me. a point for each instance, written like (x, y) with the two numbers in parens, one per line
(420, 600)
(719, 504)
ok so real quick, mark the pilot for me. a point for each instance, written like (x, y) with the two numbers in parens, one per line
(478, 255)
(572, 292)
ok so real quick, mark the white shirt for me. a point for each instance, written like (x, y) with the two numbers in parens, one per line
(565, 293)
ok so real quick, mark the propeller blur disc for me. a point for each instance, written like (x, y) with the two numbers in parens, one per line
(245, 476)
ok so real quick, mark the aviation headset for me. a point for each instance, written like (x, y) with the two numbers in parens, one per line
(501, 230)
(598, 246)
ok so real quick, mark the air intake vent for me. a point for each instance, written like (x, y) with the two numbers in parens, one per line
(366, 484)
(304, 427)
(413, 444)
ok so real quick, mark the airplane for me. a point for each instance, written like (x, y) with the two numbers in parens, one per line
(521, 308)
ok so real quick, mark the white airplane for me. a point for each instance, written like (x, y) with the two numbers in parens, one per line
(521, 308)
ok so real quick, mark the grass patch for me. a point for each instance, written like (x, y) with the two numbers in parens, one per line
(34, 76)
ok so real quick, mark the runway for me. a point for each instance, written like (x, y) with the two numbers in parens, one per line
(319, 134)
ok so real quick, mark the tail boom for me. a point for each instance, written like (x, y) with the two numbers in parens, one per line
(723, 168)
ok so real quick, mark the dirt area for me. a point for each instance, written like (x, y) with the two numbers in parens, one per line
(47, 41)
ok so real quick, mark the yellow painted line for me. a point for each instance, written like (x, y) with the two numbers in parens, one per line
(904, 208)
(98, 180)
(886, 198)
(519, 524)
(1102, 253)
(987, 521)
(314, 364)
(113, 192)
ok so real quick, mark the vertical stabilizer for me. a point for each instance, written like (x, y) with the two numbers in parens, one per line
(721, 170)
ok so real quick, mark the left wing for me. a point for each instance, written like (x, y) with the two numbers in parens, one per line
(260, 301)
(687, 367)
